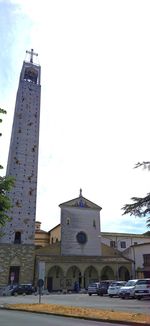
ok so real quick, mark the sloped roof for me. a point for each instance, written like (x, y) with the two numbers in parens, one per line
(51, 249)
(141, 244)
(80, 202)
(136, 235)
(55, 227)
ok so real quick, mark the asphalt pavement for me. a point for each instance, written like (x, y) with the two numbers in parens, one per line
(15, 318)
(83, 300)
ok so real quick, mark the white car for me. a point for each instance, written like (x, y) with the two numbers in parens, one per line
(128, 290)
(142, 288)
(114, 288)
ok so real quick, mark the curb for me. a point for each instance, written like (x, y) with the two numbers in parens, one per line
(119, 322)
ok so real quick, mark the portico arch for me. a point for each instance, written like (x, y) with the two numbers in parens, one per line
(107, 273)
(90, 275)
(55, 277)
(73, 278)
(124, 274)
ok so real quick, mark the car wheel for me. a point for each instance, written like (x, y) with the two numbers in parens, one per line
(110, 295)
(15, 293)
(139, 297)
(90, 294)
(101, 294)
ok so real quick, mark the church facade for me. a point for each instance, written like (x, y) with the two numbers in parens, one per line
(73, 252)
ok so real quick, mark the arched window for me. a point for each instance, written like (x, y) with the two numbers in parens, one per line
(94, 223)
(67, 220)
(17, 237)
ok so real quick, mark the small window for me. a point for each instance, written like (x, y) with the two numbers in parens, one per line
(94, 223)
(17, 239)
(68, 221)
(123, 244)
(113, 244)
(146, 258)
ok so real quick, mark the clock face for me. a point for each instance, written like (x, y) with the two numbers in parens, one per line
(81, 237)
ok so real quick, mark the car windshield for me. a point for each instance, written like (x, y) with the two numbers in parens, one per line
(141, 282)
(117, 283)
(131, 283)
(93, 284)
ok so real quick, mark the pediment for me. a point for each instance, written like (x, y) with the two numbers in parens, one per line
(80, 202)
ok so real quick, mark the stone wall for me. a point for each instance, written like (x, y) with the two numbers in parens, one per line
(75, 220)
(17, 255)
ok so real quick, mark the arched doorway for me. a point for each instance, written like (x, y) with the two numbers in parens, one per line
(90, 275)
(124, 274)
(55, 279)
(73, 278)
(107, 273)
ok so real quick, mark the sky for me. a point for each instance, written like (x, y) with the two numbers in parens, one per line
(95, 101)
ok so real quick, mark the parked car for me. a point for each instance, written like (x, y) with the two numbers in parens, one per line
(142, 288)
(92, 288)
(103, 287)
(128, 290)
(7, 290)
(114, 288)
(23, 289)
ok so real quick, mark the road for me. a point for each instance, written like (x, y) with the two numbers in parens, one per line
(14, 318)
(83, 300)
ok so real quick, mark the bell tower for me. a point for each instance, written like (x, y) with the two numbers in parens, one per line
(23, 156)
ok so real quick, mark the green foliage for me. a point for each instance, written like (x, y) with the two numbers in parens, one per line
(4, 112)
(145, 164)
(6, 183)
(141, 205)
(147, 234)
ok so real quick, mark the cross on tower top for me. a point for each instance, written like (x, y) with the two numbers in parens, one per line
(80, 192)
(32, 53)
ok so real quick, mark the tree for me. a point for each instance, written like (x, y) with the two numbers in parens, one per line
(141, 205)
(6, 183)
(4, 112)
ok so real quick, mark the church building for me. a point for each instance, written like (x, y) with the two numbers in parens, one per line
(76, 250)
(73, 251)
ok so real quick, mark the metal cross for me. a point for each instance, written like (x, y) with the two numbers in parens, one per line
(80, 192)
(32, 53)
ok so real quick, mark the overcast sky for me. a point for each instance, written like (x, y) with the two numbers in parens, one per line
(95, 100)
